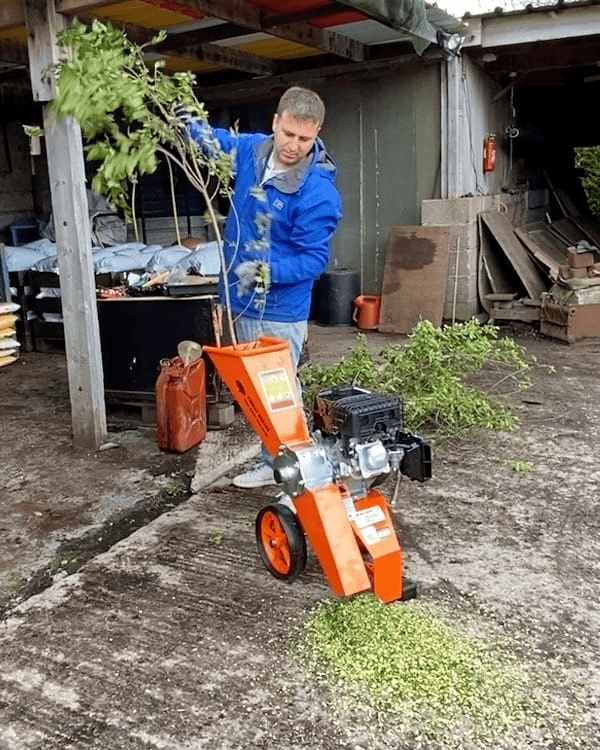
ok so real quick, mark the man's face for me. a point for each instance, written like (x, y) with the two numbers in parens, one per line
(293, 138)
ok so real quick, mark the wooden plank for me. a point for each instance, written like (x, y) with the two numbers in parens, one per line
(543, 247)
(501, 297)
(501, 277)
(518, 257)
(521, 313)
(415, 276)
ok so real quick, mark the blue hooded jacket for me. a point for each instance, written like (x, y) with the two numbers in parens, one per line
(287, 223)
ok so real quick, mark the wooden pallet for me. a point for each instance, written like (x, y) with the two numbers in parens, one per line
(144, 402)
(37, 334)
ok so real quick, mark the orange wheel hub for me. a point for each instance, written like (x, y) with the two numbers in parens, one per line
(280, 542)
(276, 543)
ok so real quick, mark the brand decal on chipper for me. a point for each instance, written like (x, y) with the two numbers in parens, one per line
(277, 389)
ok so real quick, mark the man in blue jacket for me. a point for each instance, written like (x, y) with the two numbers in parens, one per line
(284, 210)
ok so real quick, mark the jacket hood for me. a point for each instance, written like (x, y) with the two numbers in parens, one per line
(292, 179)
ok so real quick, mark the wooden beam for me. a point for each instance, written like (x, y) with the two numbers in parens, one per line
(208, 35)
(186, 45)
(545, 56)
(271, 87)
(244, 14)
(306, 16)
(229, 58)
(453, 148)
(12, 13)
(321, 39)
(42, 26)
(66, 170)
(540, 25)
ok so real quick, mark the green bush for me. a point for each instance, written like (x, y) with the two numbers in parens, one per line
(588, 159)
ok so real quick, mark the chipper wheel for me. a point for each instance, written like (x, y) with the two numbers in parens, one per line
(281, 542)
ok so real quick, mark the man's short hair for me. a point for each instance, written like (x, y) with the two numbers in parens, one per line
(302, 104)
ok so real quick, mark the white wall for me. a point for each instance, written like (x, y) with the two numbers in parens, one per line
(484, 109)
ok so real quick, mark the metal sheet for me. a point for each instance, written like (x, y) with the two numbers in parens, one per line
(543, 246)
(518, 257)
(500, 276)
(414, 277)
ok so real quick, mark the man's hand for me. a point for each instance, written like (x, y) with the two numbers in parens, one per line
(253, 275)
(263, 278)
(182, 115)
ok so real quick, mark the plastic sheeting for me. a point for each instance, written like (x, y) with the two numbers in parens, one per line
(106, 227)
(40, 255)
(401, 15)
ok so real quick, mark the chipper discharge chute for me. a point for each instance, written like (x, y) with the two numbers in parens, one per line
(326, 476)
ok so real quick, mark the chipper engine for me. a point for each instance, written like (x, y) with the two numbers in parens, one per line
(328, 476)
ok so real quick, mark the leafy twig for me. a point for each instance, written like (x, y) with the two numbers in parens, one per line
(431, 374)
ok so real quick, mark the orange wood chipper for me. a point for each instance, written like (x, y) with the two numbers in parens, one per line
(327, 476)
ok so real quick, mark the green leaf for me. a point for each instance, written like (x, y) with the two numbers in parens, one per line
(130, 126)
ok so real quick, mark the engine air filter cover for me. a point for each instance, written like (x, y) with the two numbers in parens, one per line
(350, 411)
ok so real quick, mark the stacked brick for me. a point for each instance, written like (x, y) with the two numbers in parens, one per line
(580, 265)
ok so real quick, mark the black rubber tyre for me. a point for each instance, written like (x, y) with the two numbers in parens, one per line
(281, 543)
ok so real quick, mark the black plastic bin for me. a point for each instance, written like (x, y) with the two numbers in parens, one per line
(333, 294)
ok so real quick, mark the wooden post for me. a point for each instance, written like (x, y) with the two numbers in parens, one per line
(73, 236)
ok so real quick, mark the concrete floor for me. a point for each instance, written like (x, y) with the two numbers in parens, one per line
(176, 638)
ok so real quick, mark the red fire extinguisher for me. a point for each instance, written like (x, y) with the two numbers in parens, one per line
(489, 153)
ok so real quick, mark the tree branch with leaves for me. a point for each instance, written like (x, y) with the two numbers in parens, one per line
(125, 108)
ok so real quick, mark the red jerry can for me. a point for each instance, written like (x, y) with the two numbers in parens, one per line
(181, 404)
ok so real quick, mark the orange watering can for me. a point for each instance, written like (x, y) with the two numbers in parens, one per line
(366, 311)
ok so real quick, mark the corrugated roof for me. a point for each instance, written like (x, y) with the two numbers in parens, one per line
(461, 8)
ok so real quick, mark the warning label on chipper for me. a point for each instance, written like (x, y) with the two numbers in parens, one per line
(278, 390)
(369, 516)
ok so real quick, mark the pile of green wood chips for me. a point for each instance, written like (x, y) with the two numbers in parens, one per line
(412, 674)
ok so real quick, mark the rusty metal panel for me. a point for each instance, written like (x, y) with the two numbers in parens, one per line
(415, 275)
(569, 323)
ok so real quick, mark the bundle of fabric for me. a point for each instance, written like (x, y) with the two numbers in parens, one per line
(40, 255)
(26, 257)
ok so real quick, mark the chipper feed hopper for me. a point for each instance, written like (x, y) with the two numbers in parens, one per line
(327, 477)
